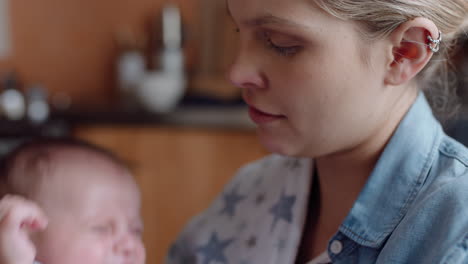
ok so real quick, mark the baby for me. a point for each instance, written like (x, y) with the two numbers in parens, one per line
(68, 202)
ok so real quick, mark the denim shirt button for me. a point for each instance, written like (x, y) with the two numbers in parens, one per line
(336, 247)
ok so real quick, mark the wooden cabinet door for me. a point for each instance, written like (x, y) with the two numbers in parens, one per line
(179, 170)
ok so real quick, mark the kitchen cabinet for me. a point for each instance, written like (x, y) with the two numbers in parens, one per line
(180, 170)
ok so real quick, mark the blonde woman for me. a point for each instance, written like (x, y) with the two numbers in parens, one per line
(362, 170)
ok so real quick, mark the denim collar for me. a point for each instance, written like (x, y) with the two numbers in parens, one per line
(397, 178)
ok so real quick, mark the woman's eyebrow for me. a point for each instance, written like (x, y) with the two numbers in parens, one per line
(269, 19)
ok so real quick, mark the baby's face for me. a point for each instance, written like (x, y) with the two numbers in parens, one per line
(94, 215)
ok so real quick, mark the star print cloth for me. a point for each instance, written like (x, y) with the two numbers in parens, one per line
(260, 213)
(413, 208)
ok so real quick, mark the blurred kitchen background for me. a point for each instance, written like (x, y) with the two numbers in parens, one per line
(144, 78)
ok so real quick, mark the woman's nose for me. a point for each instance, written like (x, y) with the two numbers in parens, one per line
(245, 73)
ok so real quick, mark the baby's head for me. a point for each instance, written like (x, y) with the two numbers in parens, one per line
(90, 198)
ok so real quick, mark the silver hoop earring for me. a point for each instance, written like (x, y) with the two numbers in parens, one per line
(434, 44)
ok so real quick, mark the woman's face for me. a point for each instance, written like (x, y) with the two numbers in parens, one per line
(313, 84)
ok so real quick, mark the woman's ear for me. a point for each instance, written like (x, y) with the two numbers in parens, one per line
(409, 50)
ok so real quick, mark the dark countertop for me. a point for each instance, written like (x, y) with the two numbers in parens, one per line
(24, 129)
(234, 117)
(191, 113)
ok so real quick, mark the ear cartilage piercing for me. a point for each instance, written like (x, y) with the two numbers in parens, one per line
(434, 44)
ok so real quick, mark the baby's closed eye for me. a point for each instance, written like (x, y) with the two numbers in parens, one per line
(103, 228)
(137, 231)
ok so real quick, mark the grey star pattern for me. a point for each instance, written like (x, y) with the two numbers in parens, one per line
(188, 260)
(283, 209)
(230, 202)
(174, 251)
(260, 199)
(213, 251)
(293, 164)
(281, 245)
(266, 164)
(258, 181)
(202, 223)
(242, 226)
(252, 242)
(177, 253)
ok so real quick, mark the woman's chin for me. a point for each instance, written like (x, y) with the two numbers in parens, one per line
(277, 145)
(289, 146)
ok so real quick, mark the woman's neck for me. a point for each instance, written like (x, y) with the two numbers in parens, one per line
(343, 175)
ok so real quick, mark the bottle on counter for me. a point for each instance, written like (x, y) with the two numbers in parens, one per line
(38, 109)
(160, 91)
(12, 101)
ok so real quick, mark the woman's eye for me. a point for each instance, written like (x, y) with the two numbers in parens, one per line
(284, 50)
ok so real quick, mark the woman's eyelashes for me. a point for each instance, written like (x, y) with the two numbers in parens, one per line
(280, 44)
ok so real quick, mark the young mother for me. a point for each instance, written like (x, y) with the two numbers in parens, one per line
(363, 172)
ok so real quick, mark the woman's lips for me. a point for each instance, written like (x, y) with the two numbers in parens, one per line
(260, 117)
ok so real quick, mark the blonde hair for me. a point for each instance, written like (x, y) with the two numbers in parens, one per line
(380, 17)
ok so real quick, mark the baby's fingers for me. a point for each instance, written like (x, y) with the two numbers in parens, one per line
(17, 213)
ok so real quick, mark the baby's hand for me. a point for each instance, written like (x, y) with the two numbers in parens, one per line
(18, 218)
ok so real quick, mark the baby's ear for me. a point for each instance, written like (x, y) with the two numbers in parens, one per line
(409, 50)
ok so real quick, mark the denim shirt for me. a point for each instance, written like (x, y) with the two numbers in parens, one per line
(413, 208)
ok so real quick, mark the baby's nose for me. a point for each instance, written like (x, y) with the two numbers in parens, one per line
(130, 248)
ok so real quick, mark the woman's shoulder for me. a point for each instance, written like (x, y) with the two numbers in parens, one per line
(438, 217)
(448, 178)
(452, 149)
(434, 228)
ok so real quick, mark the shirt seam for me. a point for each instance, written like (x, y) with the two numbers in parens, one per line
(443, 150)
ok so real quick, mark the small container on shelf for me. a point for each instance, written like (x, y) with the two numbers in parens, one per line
(38, 109)
(12, 101)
